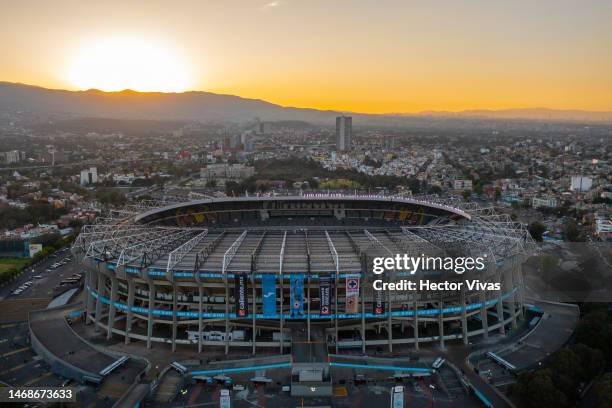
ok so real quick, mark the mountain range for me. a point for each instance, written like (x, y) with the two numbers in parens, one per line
(207, 106)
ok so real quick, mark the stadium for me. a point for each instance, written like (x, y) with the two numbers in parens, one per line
(252, 274)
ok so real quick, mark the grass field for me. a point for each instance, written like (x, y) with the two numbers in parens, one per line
(6, 264)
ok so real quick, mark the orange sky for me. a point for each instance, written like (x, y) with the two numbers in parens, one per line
(365, 56)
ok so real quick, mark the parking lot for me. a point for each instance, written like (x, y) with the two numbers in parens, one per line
(39, 281)
(19, 365)
(422, 392)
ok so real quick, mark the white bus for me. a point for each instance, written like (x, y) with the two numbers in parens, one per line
(224, 399)
(214, 335)
(438, 363)
(397, 396)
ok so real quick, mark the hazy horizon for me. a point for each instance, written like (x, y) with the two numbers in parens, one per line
(483, 109)
(356, 56)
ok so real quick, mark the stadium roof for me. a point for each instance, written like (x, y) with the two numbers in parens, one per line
(122, 241)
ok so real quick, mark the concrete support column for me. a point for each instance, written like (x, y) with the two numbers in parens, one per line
(484, 314)
(92, 281)
(441, 322)
(174, 318)
(101, 292)
(282, 315)
(150, 317)
(227, 295)
(336, 311)
(389, 322)
(511, 298)
(128, 323)
(112, 308)
(363, 329)
(464, 327)
(254, 313)
(416, 323)
(521, 288)
(500, 306)
(308, 306)
(200, 311)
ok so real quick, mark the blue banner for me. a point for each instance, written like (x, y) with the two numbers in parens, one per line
(296, 300)
(268, 284)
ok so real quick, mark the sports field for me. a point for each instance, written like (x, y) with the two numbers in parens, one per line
(8, 264)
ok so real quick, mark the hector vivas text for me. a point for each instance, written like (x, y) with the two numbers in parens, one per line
(410, 264)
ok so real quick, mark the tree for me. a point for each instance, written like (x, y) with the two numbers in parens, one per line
(537, 390)
(572, 233)
(497, 195)
(112, 197)
(594, 330)
(536, 229)
(232, 188)
(568, 369)
(591, 360)
(603, 389)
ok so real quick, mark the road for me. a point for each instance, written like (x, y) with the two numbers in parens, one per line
(458, 356)
(42, 288)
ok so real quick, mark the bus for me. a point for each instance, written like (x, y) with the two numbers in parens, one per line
(224, 399)
(234, 335)
(438, 363)
(397, 396)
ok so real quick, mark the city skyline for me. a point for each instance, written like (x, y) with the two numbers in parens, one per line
(400, 57)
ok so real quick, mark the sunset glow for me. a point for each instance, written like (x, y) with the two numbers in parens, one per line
(360, 56)
(115, 64)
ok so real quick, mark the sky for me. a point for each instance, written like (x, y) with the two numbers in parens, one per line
(363, 56)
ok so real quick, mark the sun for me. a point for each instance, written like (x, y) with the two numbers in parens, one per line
(115, 64)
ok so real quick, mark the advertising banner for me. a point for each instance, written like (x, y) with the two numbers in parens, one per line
(352, 294)
(378, 303)
(268, 284)
(34, 249)
(240, 294)
(325, 295)
(297, 296)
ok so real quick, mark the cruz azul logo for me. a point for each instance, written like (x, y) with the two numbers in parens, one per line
(352, 294)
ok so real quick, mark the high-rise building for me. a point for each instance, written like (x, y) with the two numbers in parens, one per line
(89, 176)
(581, 183)
(11, 157)
(344, 133)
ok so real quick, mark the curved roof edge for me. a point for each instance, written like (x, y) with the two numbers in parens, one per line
(311, 197)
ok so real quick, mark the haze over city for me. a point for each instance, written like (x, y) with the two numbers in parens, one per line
(371, 57)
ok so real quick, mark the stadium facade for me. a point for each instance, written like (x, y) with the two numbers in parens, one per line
(251, 272)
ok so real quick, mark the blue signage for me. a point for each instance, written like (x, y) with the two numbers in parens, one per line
(268, 284)
(296, 299)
